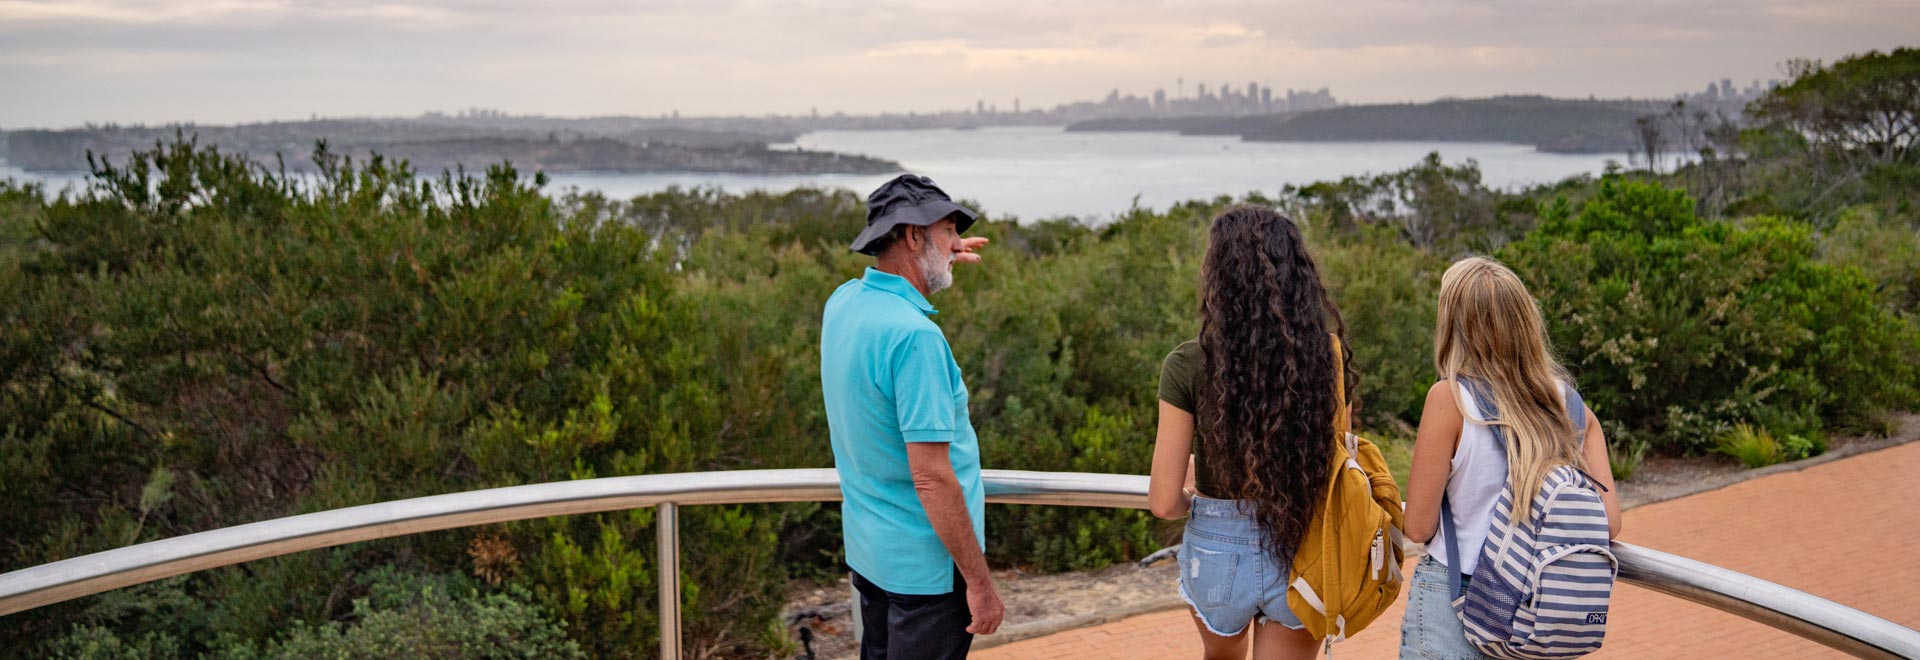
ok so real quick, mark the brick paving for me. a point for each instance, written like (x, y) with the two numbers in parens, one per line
(1839, 530)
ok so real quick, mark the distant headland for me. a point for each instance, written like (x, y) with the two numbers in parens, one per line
(750, 144)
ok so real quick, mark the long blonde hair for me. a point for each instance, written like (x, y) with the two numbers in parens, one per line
(1491, 329)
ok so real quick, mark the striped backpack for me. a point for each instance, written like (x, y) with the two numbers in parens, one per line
(1541, 587)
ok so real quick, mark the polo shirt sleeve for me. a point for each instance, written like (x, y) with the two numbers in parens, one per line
(923, 387)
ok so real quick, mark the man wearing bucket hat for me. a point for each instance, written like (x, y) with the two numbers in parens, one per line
(914, 506)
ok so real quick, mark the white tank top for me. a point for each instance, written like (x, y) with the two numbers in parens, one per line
(1479, 473)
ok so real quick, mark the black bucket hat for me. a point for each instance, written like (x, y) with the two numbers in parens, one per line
(909, 199)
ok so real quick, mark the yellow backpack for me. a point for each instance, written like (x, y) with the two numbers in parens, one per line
(1347, 568)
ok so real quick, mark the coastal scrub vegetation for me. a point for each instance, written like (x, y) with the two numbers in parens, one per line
(198, 341)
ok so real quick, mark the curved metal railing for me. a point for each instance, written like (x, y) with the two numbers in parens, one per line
(1804, 614)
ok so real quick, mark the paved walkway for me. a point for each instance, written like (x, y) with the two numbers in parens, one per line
(1841, 530)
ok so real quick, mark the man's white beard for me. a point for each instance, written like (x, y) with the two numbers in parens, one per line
(937, 265)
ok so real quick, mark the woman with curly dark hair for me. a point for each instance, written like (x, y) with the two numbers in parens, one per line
(1246, 422)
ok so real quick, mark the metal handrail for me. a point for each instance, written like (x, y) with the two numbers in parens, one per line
(1803, 614)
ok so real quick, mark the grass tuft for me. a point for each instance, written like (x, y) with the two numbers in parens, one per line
(1753, 447)
(1624, 457)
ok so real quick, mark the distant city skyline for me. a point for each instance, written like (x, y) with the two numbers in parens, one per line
(64, 63)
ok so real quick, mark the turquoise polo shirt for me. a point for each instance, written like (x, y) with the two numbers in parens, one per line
(889, 378)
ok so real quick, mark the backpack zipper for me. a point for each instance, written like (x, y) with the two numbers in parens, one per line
(1375, 556)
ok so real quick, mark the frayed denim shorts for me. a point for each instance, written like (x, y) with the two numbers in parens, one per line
(1224, 573)
(1431, 629)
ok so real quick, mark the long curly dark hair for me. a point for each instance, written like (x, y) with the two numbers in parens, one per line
(1266, 396)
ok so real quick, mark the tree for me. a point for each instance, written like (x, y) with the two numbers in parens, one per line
(1652, 140)
(1432, 206)
(1865, 105)
(1712, 138)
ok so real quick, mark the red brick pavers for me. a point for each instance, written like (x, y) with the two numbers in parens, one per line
(1839, 530)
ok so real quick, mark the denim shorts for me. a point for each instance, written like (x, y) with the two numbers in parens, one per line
(1224, 573)
(1431, 629)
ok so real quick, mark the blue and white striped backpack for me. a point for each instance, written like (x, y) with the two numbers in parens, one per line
(1541, 588)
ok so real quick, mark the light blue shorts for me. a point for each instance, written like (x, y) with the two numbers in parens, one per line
(1431, 629)
(1226, 576)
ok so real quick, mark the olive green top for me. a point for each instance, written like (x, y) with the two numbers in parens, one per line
(1180, 386)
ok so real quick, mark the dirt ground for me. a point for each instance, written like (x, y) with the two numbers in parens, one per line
(1041, 604)
(1036, 604)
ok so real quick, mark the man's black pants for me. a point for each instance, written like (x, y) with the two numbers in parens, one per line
(907, 627)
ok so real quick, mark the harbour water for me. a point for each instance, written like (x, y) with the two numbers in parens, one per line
(1041, 172)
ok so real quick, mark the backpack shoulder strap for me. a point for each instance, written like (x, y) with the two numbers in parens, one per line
(1329, 548)
(1454, 574)
(1482, 392)
(1341, 425)
(1576, 409)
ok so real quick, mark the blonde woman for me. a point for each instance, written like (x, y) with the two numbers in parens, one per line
(1490, 341)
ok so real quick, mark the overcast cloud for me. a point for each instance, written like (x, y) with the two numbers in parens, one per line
(64, 62)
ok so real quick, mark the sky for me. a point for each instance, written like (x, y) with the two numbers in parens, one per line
(67, 62)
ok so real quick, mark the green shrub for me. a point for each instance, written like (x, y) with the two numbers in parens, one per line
(1884, 248)
(1386, 291)
(1794, 446)
(1398, 450)
(424, 617)
(1872, 424)
(1675, 325)
(404, 614)
(201, 342)
(91, 642)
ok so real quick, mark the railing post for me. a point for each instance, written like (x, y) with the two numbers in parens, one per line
(668, 525)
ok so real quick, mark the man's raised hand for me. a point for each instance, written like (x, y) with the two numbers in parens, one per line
(967, 247)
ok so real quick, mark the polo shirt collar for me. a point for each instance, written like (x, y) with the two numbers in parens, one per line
(898, 286)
